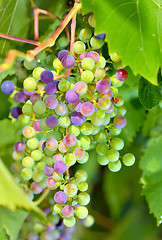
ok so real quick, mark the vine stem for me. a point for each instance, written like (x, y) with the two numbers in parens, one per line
(42, 197)
(19, 39)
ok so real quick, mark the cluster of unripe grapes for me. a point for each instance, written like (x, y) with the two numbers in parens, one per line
(64, 117)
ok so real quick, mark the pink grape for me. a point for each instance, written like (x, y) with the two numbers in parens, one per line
(68, 61)
(62, 147)
(35, 97)
(87, 109)
(20, 97)
(36, 187)
(94, 55)
(104, 103)
(57, 157)
(51, 102)
(120, 122)
(103, 86)
(77, 105)
(61, 109)
(83, 55)
(36, 126)
(108, 95)
(67, 211)
(47, 170)
(69, 140)
(52, 144)
(80, 87)
(71, 96)
(60, 166)
(79, 153)
(20, 147)
(77, 119)
(60, 197)
(50, 183)
(110, 109)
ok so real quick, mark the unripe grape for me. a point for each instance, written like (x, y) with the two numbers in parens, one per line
(39, 107)
(63, 42)
(114, 166)
(81, 175)
(89, 221)
(37, 72)
(32, 143)
(81, 212)
(26, 174)
(101, 63)
(30, 84)
(57, 65)
(102, 160)
(75, 130)
(87, 63)
(64, 121)
(128, 159)
(112, 155)
(70, 189)
(79, 47)
(85, 34)
(58, 208)
(38, 176)
(29, 65)
(117, 143)
(63, 85)
(69, 159)
(92, 21)
(27, 162)
(96, 43)
(27, 109)
(86, 128)
(115, 57)
(36, 155)
(83, 198)
(28, 132)
(69, 222)
(87, 76)
(100, 73)
(102, 148)
(82, 186)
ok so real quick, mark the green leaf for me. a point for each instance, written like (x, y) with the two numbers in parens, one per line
(12, 196)
(132, 80)
(149, 95)
(151, 179)
(5, 73)
(133, 30)
(12, 221)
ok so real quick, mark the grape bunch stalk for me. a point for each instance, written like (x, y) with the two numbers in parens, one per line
(64, 112)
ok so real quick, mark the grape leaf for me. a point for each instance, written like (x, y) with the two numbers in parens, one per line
(132, 80)
(133, 30)
(12, 221)
(12, 196)
(151, 179)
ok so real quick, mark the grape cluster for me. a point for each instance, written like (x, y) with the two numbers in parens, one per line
(64, 117)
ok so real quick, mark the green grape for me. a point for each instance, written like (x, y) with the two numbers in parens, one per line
(69, 159)
(57, 176)
(32, 143)
(96, 43)
(85, 34)
(85, 159)
(115, 82)
(121, 110)
(43, 125)
(121, 101)
(54, 134)
(115, 57)
(114, 91)
(115, 131)
(48, 152)
(87, 63)
(95, 120)
(41, 86)
(79, 47)
(99, 73)
(70, 189)
(23, 119)
(100, 137)
(63, 85)
(38, 227)
(102, 160)
(85, 142)
(96, 129)
(113, 113)
(29, 65)
(64, 121)
(57, 65)
(102, 148)
(39, 107)
(112, 155)
(38, 176)
(82, 186)
(100, 113)
(128, 159)
(89, 221)
(36, 155)
(37, 72)
(63, 42)
(92, 21)
(69, 222)
(48, 161)
(58, 208)
(18, 156)
(40, 165)
(114, 166)
(30, 84)
(104, 103)
(106, 119)
(117, 143)
(87, 76)
(27, 162)
(27, 109)
(101, 63)
(83, 198)
(81, 175)
(118, 65)
(75, 130)
(86, 128)
(26, 174)
(81, 212)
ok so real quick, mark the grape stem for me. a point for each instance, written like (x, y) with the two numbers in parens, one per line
(42, 197)
(68, 174)
(19, 39)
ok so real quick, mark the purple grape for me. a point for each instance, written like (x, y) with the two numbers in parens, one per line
(100, 36)
(36, 187)
(87, 109)
(77, 119)
(103, 86)
(68, 61)
(47, 170)
(46, 76)
(83, 55)
(60, 197)
(94, 55)
(51, 102)
(121, 74)
(7, 87)
(28, 93)
(61, 109)
(120, 122)
(57, 157)
(69, 140)
(60, 166)
(51, 87)
(20, 97)
(16, 112)
(67, 211)
(62, 54)
(71, 96)
(77, 105)
(50, 183)
(51, 121)
(20, 147)
(36, 126)
(35, 97)
(50, 226)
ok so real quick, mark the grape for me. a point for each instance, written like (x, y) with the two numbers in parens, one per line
(96, 129)
(94, 55)
(67, 211)
(61, 109)
(110, 109)
(80, 87)
(28, 132)
(69, 140)
(128, 159)
(27, 162)
(68, 61)
(35, 97)
(26, 174)
(96, 121)
(100, 36)
(83, 55)
(20, 147)
(106, 119)
(62, 147)
(121, 74)
(37, 72)
(118, 101)
(47, 170)
(58, 208)
(51, 102)
(99, 73)
(104, 103)
(85, 141)
(83, 198)
(39, 107)
(43, 125)
(69, 222)
(69, 159)
(63, 42)
(23, 120)
(50, 183)
(71, 96)
(64, 121)
(57, 65)
(102, 160)
(115, 57)
(87, 63)
(81, 212)
(115, 131)
(36, 188)
(17, 156)
(101, 63)
(16, 167)
(102, 148)
(100, 137)
(100, 113)
(28, 93)
(122, 110)
(83, 186)
(30, 84)
(87, 109)
(85, 34)
(119, 122)
(75, 130)
(52, 144)
(64, 85)
(79, 153)
(92, 21)
(79, 47)
(114, 166)
(16, 112)
(51, 87)
(96, 43)
(108, 95)
(86, 128)
(112, 155)
(77, 119)
(60, 166)
(103, 86)
(62, 54)
(89, 221)
(57, 176)
(51, 122)
(27, 109)
(81, 175)
(113, 113)
(7, 87)
(117, 143)
(36, 155)
(54, 134)
(87, 76)
(60, 197)
(57, 157)
(46, 76)
(77, 105)
(70, 190)
(20, 97)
